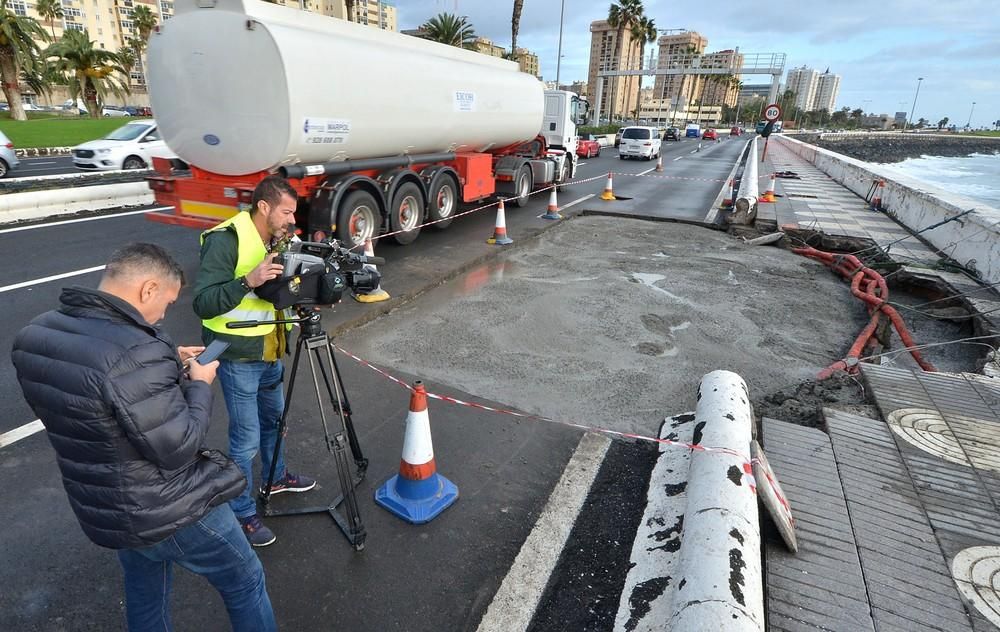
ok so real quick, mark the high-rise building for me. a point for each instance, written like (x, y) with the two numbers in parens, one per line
(680, 49)
(827, 89)
(608, 53)
(722, 86)
(109, 24)
(803, 81)
(487, 47)
(527, 61)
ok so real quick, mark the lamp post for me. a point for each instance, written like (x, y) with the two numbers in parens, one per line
(914, 107)
(969, 122)
(562, 9)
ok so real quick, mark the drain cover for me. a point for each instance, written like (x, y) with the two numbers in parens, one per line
(976, 571)
(926, 429)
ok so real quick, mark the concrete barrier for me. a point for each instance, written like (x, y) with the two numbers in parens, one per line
(38, 204)
(718, 583)
(972, 240)
(746, 197)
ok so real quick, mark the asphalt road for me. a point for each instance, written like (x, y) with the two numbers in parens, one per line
(439, 576)
(44, 166)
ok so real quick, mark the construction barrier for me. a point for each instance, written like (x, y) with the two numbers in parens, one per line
(746, 198)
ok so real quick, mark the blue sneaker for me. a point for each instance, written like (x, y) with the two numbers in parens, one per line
(291, 483)
(255, 531)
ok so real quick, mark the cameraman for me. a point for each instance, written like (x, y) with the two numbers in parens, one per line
(127, 426)
(236, 257)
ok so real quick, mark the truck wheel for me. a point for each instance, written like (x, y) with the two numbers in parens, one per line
(358, 218)
(523, 185)
(442, 202)
(406, 213)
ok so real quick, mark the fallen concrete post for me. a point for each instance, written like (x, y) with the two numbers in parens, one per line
(718, 582)
(38, 204)
(746, 197)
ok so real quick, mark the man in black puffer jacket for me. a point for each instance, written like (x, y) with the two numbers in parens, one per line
(127, 424)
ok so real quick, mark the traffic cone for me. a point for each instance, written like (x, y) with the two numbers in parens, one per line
(553, 210)
(727, 202)
(608, 194)
(876, 204)
(418, 493)
(378, 294)
(500, 237)
(769, 194)
(659, 163)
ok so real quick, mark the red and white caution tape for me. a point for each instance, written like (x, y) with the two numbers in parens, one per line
(747, 466)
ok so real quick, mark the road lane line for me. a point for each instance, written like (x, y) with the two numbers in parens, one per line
(55, 277)
(46, 162)
(83, 219)
(17, 434)
(642, 173)
(575, 202)
(678, 158)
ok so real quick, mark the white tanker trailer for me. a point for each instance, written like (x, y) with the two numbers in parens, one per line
(378, 131)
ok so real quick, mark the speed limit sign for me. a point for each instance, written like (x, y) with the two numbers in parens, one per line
(773, 112)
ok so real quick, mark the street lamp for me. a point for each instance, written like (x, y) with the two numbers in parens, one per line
(914, 107)
(967, 123)
(562, 9)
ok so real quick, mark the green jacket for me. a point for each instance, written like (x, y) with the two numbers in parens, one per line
(216, 291)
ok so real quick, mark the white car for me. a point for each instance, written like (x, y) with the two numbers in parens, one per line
(108, 110)
(639, 142)
(131, 146)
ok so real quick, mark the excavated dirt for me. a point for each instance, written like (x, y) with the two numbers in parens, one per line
(613, 322)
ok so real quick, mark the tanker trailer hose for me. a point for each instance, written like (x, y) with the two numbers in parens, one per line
(875, 296)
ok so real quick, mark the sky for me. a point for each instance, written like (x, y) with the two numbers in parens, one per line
(879, 49)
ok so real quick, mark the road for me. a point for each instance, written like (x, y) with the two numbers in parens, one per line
(44, 166)
(55, 579)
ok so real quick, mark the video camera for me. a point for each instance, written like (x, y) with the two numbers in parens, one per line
(317, 273)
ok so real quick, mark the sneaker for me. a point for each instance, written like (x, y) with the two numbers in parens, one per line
(291, 483)
(255, 531)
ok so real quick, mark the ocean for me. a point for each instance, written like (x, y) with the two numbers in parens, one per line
(976, 176)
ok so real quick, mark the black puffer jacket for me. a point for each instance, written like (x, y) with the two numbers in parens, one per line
(126, 426)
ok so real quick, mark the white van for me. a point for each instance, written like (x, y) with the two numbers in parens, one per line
(639, 142)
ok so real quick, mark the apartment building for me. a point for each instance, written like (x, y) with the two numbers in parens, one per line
(722, 86)
(827, 91)
(803, 81)
(527, 61)
(679, 49)
(607, 53)
(109, 24)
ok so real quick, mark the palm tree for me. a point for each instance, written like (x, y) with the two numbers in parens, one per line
(515, 24)
(451, 29)
(19, 37)
(50, 11)
(622, 16)
(643, 32)
(144, 22)
(89, 71)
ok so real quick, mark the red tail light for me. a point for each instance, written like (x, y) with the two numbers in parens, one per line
(9, 145)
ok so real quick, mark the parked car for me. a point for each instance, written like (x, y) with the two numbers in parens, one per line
(710, 134)
(113, 111)
(618, 136)
(672, 133)
(131, 146)
(735, 131)
(144, 110)
(131, 109)
(639, 142)
(587, 146)
(8, 160)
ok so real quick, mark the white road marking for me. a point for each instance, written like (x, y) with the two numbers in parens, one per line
(47, 162)
(17, 434)
(642, 173)
(575, 202)
(55, 277)
(678, 158)
(83, 219)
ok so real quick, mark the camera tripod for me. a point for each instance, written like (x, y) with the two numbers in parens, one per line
(319, 345)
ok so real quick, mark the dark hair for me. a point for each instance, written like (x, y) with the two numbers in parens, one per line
(140, 258)
(270, 190)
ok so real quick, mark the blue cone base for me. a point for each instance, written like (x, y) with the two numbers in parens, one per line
(499, 241)
(441, 493)
(552, 216)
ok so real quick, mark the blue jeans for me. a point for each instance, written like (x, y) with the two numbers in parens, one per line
(255, 400)
(213, 547)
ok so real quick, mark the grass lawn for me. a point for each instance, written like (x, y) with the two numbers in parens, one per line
(986, 133)
(56, 131)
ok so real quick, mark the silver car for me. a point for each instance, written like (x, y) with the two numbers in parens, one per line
(8, 160)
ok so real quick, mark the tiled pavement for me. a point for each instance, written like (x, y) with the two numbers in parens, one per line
(814, 201)
(897, 520)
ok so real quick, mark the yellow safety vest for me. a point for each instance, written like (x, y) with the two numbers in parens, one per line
(250, 252)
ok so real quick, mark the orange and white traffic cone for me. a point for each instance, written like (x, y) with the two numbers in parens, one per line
(500, 237)
(769, 194)
(553, 210)
(659, 164)
(727, 202)
(378, 294)
(418, 493)
(876, 204)
(609, 193)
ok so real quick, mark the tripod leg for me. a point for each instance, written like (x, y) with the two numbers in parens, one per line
(266, 496)
(345, 415)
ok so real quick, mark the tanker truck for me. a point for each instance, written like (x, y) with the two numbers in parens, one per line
(378, 132)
